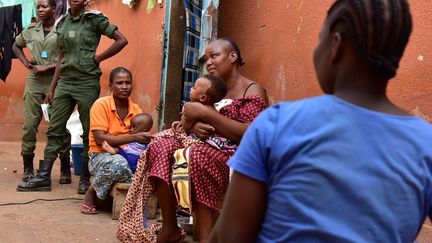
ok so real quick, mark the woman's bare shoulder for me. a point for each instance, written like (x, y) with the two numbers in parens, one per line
(253, 88)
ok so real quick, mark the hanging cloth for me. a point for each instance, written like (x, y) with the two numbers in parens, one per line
(28, 9)
(10, 27)
(191, 46)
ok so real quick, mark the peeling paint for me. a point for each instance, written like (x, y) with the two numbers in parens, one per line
(300, 6)
(282, 81)
(420, 58)
(272, 100)
(14, 110)
(418, 112)
(299, 26)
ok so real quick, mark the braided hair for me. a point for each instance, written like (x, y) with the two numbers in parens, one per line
(379, 30)
(235, 48)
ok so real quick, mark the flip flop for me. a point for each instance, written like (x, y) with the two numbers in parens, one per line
(85, 209)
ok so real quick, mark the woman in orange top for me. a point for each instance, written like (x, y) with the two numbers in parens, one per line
(110, 119)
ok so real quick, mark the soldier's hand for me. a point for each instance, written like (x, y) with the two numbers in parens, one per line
(49, 96)
(38, 69)
(29, 65)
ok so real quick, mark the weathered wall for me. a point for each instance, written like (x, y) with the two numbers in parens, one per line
(277, 40)
(143, 56)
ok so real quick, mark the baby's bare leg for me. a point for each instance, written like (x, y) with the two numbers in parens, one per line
(108, 148)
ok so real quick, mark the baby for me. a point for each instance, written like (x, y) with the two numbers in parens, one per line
(208, 90)
(142, 122)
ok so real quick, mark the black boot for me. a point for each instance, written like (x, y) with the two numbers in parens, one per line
(28, 167)
(42, 180)
(84, 181)
(65, 171)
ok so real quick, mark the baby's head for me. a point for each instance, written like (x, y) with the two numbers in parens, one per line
(142, 122)
(208, 90)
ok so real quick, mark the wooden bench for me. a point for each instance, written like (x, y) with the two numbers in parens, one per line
(119, 192)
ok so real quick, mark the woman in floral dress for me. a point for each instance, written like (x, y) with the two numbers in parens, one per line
(209, 174)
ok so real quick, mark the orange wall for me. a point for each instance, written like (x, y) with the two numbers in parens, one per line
(277, 40)
(143, 56)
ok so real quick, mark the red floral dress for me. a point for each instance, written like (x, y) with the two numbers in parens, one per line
(209, 173)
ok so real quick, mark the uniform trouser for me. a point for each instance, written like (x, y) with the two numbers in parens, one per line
(66, 96)
(34, 95)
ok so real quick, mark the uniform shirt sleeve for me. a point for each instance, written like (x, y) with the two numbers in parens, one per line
(252, 157)
(99, 117)
(104, 27)
(22, 39)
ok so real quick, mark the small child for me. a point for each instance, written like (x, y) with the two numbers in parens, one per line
(142, 122)
(208, 90)
(348, 166)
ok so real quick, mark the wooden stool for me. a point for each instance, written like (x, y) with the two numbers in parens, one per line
(118, 193)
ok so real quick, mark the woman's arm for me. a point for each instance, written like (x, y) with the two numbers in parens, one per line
(50, 92)
(243, 211)
(115, 141)
(18, 51)
(119, 43)
(228, 128)
(43, 68)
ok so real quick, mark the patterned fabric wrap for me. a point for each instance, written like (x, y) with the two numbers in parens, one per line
(191, 45)
(209, 174)
(108, 169)
(180, 178)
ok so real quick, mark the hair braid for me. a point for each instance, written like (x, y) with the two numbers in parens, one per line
(378, 39)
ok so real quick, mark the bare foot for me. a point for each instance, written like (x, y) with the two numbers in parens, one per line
(169, 235)
(108, 148)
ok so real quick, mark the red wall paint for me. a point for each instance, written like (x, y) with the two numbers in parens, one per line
(143, 56)
(277, 39)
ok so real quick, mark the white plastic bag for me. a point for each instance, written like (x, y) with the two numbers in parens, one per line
(45, 111)
(75, 128)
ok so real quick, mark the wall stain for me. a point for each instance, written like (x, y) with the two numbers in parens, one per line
(300, 6)
(14, 109)
(418, 112)
(282, 81)
(299, 26)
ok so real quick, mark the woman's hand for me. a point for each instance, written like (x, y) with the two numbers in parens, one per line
(142, 137)
(193, 111)
(202, 130)
(49, 96)
(39, 69)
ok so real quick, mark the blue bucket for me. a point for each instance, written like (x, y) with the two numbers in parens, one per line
(77, 150)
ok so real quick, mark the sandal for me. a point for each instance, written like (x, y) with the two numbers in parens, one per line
(85, 209)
